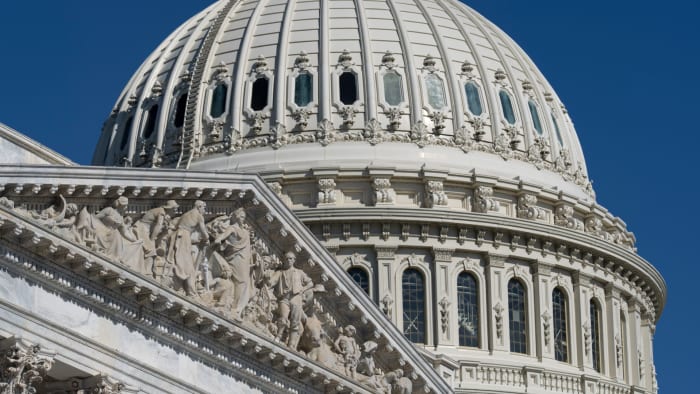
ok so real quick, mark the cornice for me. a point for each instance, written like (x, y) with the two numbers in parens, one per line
(26, 184)
(578, 245)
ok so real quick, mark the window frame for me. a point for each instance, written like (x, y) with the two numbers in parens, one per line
(346, 64)
(526, 319)
(425, 309)
(219, 78)
(477, 306)
(596, 334)
(564, 318)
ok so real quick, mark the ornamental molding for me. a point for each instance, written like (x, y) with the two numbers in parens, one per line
(435, 194)
(23, 366)
(468, 229)
(113, 241)
(527, 208)
(468, 137)
(384, 194)
(99, 384)
(608, 257)
(483, 200)
(546, 326)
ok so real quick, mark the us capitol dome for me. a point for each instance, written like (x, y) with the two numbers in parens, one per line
(429, 156)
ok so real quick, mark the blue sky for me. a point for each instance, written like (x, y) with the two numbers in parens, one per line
(627, 72)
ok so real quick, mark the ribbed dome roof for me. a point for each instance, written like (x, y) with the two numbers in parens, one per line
(291, 83)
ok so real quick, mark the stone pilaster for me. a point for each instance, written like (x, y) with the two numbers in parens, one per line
(582, 321)
(615, 352)
(635, 349)
(444, 296)
(497, 303)
(544, 327)
(386, 262)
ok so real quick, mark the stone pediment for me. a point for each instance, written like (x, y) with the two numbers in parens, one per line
(219, 254)
(17, 148)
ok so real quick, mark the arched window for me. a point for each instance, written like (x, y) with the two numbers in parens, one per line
(468, 310)
(393, 92)
(360, 277)
(413, 288)
(218, 101)
(436, 91)
(561, 339)
(595, 335)
(126, 133)
(347, 82)
(150, 122)
(180, 111)
(258, 98)
(507, 106)
(517, 317)
(536, 123)
(303, 89)
(473, 98)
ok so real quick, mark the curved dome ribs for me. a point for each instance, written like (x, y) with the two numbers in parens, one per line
(434, 47)
(191, 132)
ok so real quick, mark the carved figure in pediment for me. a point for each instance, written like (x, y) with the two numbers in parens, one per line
(315, 339)
(396, 383)
(7, 203)
(290, 285)
(234, 260)
(182, 253)
(109, 232)
(51, 215)
(348, 349)
(366, 364)
(151, 229)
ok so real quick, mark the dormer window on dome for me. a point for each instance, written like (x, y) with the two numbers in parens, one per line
(473, 98)
(150, 125)
(507, 106)
(435, 91)
(393, 90)
(347, 82)
(218, 101)
(557, 130)
(536, 123)
(179, 119)
(259, 97)
(347, 88)
(126, 133)
(303, 89)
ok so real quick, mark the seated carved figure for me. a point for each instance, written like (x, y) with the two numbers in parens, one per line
(396, 383)
(109, 232)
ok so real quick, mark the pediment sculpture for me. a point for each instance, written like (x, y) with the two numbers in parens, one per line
(230, 264)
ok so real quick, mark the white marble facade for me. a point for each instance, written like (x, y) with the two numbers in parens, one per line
(404, 142)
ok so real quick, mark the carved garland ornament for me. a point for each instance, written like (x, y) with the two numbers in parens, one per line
(22, 366)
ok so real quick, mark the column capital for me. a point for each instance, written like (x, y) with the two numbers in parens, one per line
(385, 252)
(443, 254)
(496, 260)
(23, 365)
